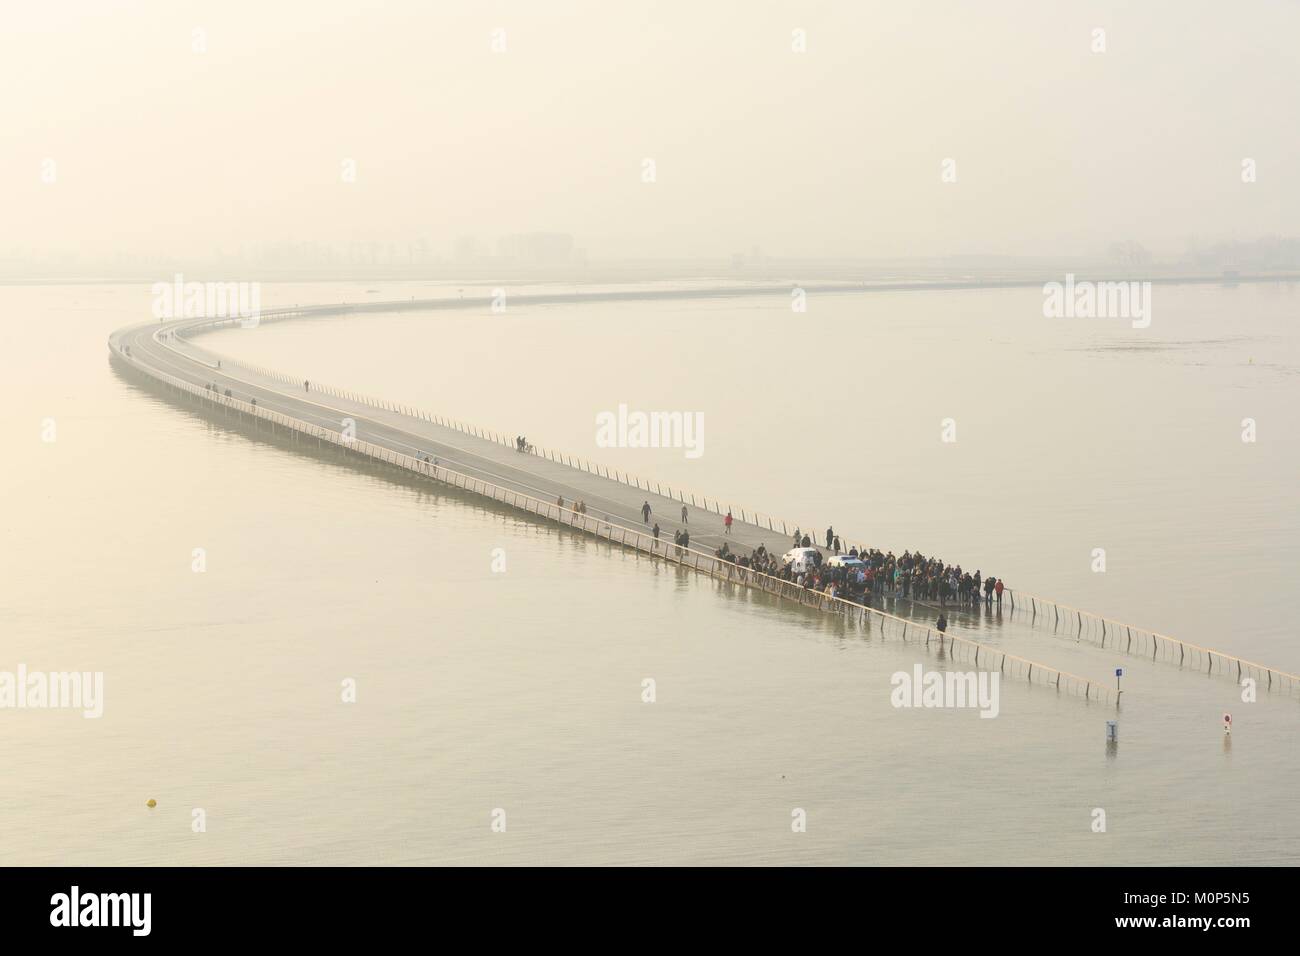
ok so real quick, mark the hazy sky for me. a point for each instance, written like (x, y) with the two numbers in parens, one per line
(832, 152)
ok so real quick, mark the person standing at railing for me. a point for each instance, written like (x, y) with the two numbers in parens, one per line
(726, 522)
(655, 532)
(830, 536)
(942, 623)
(645, 513)
(998, 590)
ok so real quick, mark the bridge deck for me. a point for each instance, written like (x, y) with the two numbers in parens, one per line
(1006, 629)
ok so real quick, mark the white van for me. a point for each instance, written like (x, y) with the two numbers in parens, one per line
(801, 560)
(846, 561)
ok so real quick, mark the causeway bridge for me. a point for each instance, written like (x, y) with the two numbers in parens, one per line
(548, 484)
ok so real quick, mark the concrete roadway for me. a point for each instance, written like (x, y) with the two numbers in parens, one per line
(468, 454)
(546, 479)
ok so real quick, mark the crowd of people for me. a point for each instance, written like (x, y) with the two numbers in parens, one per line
(912, 575)
(920, 578)
(868, 573)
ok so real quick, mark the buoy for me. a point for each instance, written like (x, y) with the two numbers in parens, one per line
(1112, 731)
(152, 803)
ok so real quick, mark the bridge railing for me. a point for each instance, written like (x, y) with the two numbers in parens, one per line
(1095, 628)
(695, 499)
(974, 652)
(1066, 621)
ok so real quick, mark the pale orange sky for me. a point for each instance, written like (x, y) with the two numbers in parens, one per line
(833, 152)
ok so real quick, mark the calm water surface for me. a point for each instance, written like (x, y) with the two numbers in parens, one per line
(522, 690)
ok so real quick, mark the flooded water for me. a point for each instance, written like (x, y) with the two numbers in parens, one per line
(522, 691)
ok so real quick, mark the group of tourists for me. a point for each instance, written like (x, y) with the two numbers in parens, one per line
(911, 576)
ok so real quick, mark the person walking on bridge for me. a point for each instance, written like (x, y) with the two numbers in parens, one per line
(645, 513)
(655, 532)
(726, 522)
(830, 536)
(685, 519)
(306, 386)
(942, 623)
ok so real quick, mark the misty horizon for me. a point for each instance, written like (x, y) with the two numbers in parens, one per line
(407, 137)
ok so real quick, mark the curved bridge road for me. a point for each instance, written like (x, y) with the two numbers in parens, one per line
(167, 348)
(145, 348)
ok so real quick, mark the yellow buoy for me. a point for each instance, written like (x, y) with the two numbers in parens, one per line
(151, 804)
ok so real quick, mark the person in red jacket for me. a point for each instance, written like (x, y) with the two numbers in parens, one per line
(727, 522)
(997, 589)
